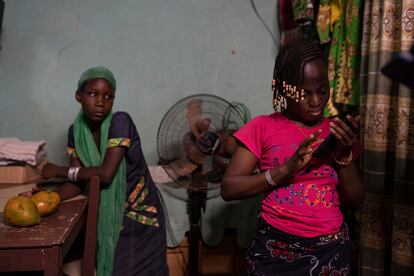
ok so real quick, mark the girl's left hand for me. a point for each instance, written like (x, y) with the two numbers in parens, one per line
(32, 192)
(50, 170)
(346, 134)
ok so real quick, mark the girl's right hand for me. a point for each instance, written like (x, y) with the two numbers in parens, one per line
(303, 154)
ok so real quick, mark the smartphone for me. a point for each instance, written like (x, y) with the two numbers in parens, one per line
(325, 148)
(328, 145)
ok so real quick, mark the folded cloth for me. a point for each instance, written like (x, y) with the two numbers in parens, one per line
(159, 175)
(13, 150)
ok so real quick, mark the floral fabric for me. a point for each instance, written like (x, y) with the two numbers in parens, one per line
(278, 253)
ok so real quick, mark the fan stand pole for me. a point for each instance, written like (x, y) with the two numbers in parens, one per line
(196, 202)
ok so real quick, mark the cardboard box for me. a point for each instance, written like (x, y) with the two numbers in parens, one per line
(19, 174)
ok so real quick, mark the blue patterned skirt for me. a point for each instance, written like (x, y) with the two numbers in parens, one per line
(274, 252)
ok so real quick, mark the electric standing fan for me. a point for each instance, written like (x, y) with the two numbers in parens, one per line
(194, 146)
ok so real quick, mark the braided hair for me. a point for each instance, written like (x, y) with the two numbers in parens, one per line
(289, 65)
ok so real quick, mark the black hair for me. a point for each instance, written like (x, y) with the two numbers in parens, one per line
(289, 65)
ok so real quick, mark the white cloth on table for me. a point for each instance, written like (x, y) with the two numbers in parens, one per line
(159, 175)
(13, 150)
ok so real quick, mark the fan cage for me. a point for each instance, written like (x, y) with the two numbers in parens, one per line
(174, 126)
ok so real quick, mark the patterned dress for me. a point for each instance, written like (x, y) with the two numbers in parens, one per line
(141, 248)
(300, 230)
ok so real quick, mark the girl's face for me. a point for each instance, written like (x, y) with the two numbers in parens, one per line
(97, 99)
(315, 83)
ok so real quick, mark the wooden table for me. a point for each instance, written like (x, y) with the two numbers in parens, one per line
(44, 246)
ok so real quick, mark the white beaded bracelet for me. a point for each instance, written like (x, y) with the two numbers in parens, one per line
(70, 173)
(73, 174)
(269, 178)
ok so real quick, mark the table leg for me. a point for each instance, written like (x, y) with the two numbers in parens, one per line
(53, 261)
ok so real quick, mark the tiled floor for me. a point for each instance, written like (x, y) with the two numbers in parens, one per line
(227, 258)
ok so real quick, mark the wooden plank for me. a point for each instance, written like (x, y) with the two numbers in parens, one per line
(53, 261)
(88, 264)
(21, 260)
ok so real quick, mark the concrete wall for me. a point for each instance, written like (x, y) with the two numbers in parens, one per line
(159, 50)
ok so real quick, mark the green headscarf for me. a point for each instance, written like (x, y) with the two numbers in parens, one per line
(112, 196)
(98, 72)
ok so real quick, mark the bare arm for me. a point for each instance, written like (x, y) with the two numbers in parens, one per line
(290, 31)
(105, 172)
(69, 190)
(238, 181)
(285, 15)
(351, 190)
(66, 191)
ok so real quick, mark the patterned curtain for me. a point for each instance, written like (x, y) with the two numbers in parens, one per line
(387, 217)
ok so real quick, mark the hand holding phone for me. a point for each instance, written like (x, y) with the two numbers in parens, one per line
(327, 147)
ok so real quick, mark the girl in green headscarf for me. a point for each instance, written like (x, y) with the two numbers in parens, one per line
(131, 231)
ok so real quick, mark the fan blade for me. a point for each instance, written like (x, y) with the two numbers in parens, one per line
(192, 153)
(228, 143)
(190, 162)
(197, 124)
(180, 168)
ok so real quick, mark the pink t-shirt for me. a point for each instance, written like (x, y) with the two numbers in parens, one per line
(307, 205)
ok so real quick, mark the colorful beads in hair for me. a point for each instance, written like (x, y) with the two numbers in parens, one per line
(288, 72)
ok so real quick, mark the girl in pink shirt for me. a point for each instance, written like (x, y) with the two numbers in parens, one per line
(301, 230)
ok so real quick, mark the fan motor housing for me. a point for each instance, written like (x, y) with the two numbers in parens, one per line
(208, 143)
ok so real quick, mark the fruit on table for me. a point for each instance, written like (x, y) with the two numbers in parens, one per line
(46, 201)
(21, 211)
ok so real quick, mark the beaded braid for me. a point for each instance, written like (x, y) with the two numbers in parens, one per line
(288, 72)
